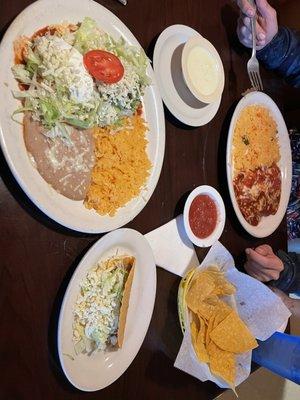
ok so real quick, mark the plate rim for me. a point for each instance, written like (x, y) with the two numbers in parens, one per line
(82, 261)
(159, 120)
(254, 230)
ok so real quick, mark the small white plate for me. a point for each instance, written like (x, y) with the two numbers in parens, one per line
(269, 224)
(215, 195)
(69, 213)
(100, 369)
(167, 66)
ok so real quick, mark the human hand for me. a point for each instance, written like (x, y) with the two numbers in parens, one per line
(263, 264)
(266, 23)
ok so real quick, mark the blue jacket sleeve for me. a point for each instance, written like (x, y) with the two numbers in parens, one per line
(282, 55)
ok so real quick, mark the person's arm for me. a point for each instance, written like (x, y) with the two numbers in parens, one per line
(282, 55)
(281, 271)
(278, 49)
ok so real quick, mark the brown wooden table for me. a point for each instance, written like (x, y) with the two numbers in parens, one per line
(38, 256)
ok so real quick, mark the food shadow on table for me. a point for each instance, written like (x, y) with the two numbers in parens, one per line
(28, 206)
(54, 363)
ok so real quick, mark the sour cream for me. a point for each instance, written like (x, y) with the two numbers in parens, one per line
(203, 70)
(64, 63)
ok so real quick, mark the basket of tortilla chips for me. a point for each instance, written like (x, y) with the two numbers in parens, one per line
(206, 302)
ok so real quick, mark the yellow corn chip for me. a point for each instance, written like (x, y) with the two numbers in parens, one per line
(222, 311)
(207, 307)
(200, 345)
(209, 330)
(200, 288)
(202, 328)
(194, 332)
(233, 335)
(217, 331)
(223, 287)
(222, 363)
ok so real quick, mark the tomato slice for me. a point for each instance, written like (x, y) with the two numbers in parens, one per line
(103, 66)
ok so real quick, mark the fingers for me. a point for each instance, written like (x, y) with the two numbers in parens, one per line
(246, 8)
(263, 264)
(264, 250)
(257, 273)
(261, 274)
(264, 8)
(260, 33)
(259, 259)
(245, 34)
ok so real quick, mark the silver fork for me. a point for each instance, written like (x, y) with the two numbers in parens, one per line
(253, 65)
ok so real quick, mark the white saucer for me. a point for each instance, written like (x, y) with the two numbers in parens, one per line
(167, 66)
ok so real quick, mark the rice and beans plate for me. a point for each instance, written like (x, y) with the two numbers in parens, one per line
(255, 157)
(81, 97)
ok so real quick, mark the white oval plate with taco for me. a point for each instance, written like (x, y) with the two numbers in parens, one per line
(92, 360)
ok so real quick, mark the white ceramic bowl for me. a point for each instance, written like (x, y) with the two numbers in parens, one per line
(214, 195)
(201, 42)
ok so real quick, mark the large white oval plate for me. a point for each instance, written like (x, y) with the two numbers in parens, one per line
(71, 214)
(99, 370)
(268, 224)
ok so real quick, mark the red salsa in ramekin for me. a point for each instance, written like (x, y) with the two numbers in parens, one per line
(203, 216)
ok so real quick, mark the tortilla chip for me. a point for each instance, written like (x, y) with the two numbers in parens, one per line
(222, 363)
(200, 287)
(214, 268)
(129, 263)
(202, 328)
(198, 331)
(217, 332)
(222, 311)
(207, 308)
(209, 330)
(223, 287)
(233, 335)
(200, 346)
(195, 326)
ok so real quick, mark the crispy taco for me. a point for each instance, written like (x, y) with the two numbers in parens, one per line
(101, 308)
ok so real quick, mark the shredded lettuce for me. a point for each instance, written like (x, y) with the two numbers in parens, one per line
(133, 55)
(88, 36)
(57, 93)
(21, 74)
(32, 61)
